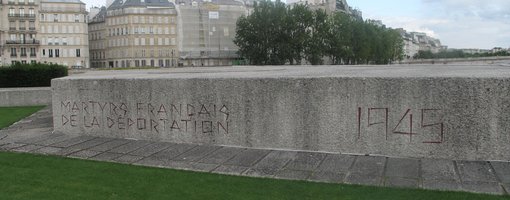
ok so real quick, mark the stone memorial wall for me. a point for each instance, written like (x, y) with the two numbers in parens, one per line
(402, 113)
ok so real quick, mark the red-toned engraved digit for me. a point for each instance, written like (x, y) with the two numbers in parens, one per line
(410, 133)
(440, 124)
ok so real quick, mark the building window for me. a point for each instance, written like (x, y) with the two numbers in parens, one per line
(55, 17)
(57, 53)
(21, 12)
(76, 18)
(144, 63)
(13, 52)
(23, 52)
(12, 12)
(78, 53)
(44, 52)
(152, 63)
(50, 53)
(31, 12)
(137, 63)
(32, 52)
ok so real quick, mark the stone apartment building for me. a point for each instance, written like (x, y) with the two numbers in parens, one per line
(135, 33)
(48, 31)
(18, 31)
(64, 33)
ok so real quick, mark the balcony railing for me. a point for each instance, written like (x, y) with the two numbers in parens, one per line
(12, 28)
(23, 55)
(33, 55)
(31, 28)
(21, 15)
(29, 41)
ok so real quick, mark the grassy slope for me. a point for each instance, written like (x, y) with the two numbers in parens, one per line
(25, 176)
(9, 115)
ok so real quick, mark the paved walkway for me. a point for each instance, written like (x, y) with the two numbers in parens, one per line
(34, 135)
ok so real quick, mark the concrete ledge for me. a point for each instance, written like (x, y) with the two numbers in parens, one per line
(455, 112)
(25, 96)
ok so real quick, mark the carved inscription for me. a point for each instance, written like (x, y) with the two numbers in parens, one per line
(430, 123)
(182, 117)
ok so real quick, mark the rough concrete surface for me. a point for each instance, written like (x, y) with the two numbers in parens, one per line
(420, 111)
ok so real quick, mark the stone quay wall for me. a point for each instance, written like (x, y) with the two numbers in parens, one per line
(25, 96)
(333, 109)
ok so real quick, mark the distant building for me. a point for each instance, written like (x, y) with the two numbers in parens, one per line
(135, 33)
(48, 31)
(64, 33)
(330, 6)
(416, 41)
(207, 30)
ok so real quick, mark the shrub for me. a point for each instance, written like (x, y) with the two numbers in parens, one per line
(30, 75)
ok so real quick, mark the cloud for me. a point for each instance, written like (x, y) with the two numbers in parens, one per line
(471, 23)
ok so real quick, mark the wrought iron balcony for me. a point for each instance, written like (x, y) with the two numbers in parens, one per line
(24, 42)
(24, 16)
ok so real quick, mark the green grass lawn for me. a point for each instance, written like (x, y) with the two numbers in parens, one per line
(26, 176)
(9, 115)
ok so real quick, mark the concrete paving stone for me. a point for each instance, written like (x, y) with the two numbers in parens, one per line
(483, 187)
(327, 176)
(402, 167)
(202, 167)
(110, 145)
(47, 150)
(128, 159)
(369, 165)
(91, 143)
(174, 151)
(476, 171)
(306, 161)
(222, 155)
(151, 161)
(197, 153)
(67, 151)
(72, 141)
(275, 161)
(336, 163)
(293, 174)
(27, 148)
(53, 140)
(230, 169)
(7, 147)
(433, 169)
(84, 154)
(151, 149)
(506, 186)
(260, 172)
(502, 171)
(402, 182)
(35, 139)
(363, 179)
(248, 158)
(447, 185)
(131, 146)
(106, 156)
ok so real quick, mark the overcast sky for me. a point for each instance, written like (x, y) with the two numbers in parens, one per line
(457, 23)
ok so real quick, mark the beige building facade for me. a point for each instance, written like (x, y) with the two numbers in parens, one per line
(46, 31)
(134, 33)
(19, 31)
(64, 33)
